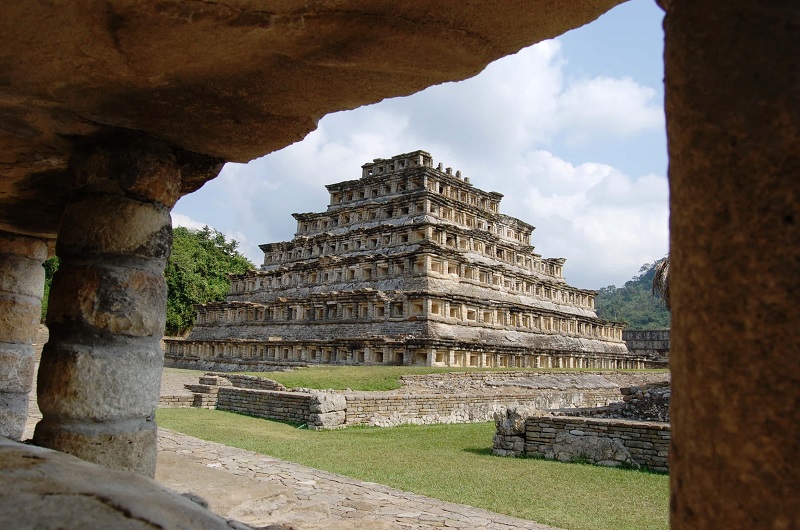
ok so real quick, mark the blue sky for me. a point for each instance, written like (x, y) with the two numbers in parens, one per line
(570, 130)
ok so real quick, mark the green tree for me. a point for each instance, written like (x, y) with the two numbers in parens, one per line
(197, 272)
(50, 268)
(636, 303)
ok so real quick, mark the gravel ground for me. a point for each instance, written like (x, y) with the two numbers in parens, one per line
(173, 379)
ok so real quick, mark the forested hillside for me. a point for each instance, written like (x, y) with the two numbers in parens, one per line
(634, 302)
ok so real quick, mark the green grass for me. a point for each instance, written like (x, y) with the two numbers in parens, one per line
(370, 377)
(453, 463)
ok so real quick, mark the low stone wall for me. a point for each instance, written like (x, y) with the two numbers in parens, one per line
(229, 365)
(176, 401)
(317, 410)
(609, 442)
(265, 398)
(281, 406)
(456, 382)
(391, 409)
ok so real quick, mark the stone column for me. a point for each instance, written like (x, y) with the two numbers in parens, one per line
(733, 123)
(21, 286)
(100, 372)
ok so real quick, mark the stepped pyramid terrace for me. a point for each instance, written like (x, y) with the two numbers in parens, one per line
(410, 264)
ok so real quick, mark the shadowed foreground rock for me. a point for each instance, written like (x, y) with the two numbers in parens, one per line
(232, 81)
(44, 489)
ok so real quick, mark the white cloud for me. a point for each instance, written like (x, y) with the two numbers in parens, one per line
(186, 221)
(602, 105)
(605, 222)
(246, 246)
(503, 129)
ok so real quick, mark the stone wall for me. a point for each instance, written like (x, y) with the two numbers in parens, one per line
(600, 441)
(643, 403)
(317, 410)
(454, 382)
(647, 342)
(391, 409)
(609, 442)
(176, 401)
(230, 365)
(428, 399)
(281, 406)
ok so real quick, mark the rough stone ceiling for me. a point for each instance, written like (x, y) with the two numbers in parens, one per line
(233, 80)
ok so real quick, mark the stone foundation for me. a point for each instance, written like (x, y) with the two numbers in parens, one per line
(176, 401)
(390, 410)
(229, 365)
(633, 432)
(608, 442)
(414, 404)
(318, 410)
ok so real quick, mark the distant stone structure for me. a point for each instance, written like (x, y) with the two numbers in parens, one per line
(648, 342)
(410, 264)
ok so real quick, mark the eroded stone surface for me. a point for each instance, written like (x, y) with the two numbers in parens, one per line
(223, 79)
(733, 127)
(21, 287)
(44, 489)
(100, 371)
(578, 446)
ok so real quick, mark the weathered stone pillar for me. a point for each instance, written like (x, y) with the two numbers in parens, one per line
(21, 286)
(733, 122)
(100, 372)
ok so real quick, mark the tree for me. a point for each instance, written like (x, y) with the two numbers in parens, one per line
(197, 272)
(636, 303)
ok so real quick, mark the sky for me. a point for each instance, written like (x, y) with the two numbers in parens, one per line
(571, 131)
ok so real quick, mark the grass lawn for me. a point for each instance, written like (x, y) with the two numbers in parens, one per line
(372, 377)
(453, 463)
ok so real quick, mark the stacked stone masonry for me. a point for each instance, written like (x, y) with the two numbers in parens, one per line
(601, 441)
(21, 280)
(417, 404)
(651, 342)
(411, 265)
(634, 432)
(389, 410)
(648, 403)
(282, 406)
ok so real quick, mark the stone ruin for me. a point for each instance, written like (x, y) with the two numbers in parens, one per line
(634, 432)
(455, 397)
(111, 111)
(410, 265)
